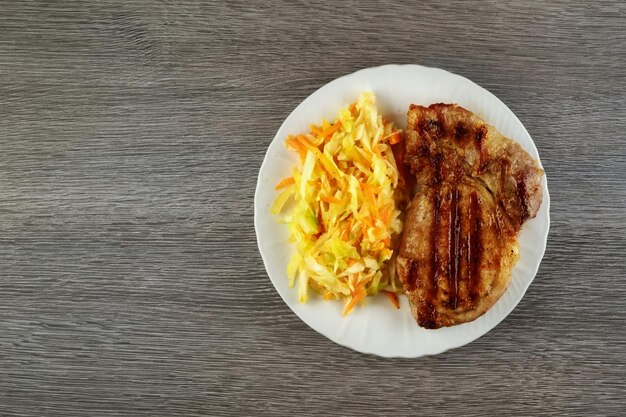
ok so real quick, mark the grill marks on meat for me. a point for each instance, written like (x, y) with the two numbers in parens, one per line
(451, 252)
(474, 246)
(454, 232)
(476, 189)
(428, 310)
(472, 148)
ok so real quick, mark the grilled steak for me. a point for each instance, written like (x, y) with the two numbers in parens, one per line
(476, 190)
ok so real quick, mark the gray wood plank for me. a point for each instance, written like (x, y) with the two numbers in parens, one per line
(130, 139)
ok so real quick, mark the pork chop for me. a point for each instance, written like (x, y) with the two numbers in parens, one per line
(476, 188)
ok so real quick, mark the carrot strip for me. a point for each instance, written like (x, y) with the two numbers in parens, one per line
(367, 220)
(331, 199)
(371, 200)
(315, 130)
(304, 141)
(385, 214)
(296, 146)
(405, 179)
(285, 182)
(344, 234)
(327, 163)
(327, 133)
(350, 305)
(393, 297)
(357, 295)
(395, 138)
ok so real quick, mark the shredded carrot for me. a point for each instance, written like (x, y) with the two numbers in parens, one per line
(304, 142)
(367, 220)
(379, 232)
(394, 137)
(285, 182)
(345, 233)
(358, 295)
(315, 130)
(328, 133)
(324, 160)
(405, 180)
(331, 199)
(350, 305)
(393, 297)
(296, 146)
(385, 214)
(371, 200)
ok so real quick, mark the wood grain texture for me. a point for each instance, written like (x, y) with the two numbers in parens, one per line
(131, 134)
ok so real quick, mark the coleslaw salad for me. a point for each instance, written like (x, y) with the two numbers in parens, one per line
(343, 206)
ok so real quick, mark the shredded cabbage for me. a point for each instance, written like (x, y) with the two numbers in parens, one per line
(346, 214)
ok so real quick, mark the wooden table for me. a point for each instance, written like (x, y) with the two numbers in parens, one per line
(131, 134)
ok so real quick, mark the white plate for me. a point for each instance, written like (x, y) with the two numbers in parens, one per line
(378, 328)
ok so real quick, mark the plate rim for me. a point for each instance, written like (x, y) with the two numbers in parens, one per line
(524, 288)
